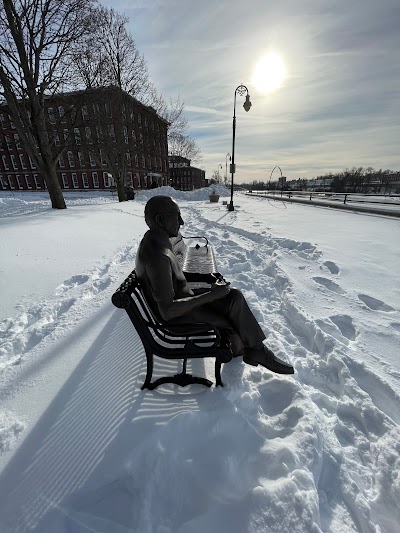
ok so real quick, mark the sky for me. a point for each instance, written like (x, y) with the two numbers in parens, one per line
(337, 106)
(82, 448)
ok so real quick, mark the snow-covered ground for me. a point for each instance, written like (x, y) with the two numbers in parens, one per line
(83, 449)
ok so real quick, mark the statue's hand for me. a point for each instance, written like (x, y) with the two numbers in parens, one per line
(219, 290)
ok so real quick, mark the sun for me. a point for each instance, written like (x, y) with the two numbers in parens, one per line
(269, 73)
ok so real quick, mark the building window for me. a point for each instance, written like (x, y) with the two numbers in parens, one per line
(61, 162)
(155, 163)
(36, 180)
(84, 111)
(95, 180)
(134, 138)
(88, 135)
(33, 166)
(143, 162)
(61, 112)
(149, 162)
(130, 179)
(111, 132)
(128, 158)
(75, 181)
(102, 158)
(126, 135)
(56, 139)
(141, 139)
(81, 159)
(145, 122)
(92, 160)
(139, 118)
(71, 161)
(96, 109)
(17, 141)
(8, 142)
(77, 134)
(65, 181)
(50, 113)
(99, 133)
(14, 162)
(22, 161)
(136, 160)
(2, 121)
(106, 179)
(11, 182)
(28, 181)
(66, 136)
(3, 182)
(85, 180)
(138, 180)
(19, 181)
(5, 162)
(107, 107)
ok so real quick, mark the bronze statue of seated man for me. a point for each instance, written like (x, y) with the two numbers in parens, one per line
(170, 298)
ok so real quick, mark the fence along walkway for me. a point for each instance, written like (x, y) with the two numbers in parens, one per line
(373, 203)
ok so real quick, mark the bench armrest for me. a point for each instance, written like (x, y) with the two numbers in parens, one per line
(196, 237)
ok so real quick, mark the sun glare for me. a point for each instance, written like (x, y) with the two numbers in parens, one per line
(269, 73)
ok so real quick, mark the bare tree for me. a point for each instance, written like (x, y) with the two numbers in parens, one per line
(179, 141)
(185, 147)
(37, 41)
(110, 56)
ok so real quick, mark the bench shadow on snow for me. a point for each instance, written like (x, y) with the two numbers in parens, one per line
(82, 446)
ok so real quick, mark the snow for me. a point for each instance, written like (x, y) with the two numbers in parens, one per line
(82, 448)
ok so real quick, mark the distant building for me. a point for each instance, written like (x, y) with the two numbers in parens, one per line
(75, 123)
(183, 176)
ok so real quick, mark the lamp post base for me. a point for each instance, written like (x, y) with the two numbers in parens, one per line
(230, 206)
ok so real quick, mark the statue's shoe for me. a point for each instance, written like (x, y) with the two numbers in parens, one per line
(265, 357)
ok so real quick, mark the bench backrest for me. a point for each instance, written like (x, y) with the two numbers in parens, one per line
(154, 335)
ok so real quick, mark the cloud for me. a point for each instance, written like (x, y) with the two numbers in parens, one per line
(338, 106)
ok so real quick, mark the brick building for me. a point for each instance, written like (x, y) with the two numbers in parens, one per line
(183, 176)
(89, 129)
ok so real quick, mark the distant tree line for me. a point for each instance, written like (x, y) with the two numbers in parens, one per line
(355, 179)
(52, 47)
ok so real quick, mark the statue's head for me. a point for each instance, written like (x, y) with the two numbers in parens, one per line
(163, 213)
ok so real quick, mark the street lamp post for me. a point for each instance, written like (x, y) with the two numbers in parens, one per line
(219, 179)
(241, 90)
(226, 167)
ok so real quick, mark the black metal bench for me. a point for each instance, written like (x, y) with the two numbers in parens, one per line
(182, 341)
(196, 261)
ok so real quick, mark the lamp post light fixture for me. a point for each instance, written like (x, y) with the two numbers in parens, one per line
(241, 90)
(226, 167)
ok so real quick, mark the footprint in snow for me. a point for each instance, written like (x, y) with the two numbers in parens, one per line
(72, 282)
(395, 325)
(374, 303)
(345, 325)
(329, 284)
(333, 268)
(339, 327)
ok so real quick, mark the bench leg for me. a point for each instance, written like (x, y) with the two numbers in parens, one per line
(183, 379)
(147, 382)
(218, 381)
